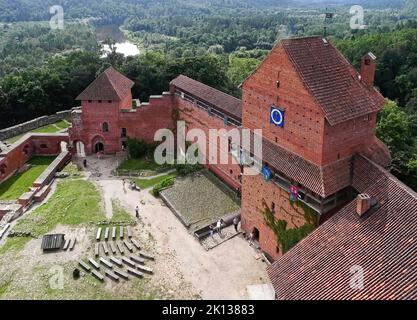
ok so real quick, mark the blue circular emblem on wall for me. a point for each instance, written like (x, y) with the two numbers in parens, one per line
(267, 174)
(276, 116)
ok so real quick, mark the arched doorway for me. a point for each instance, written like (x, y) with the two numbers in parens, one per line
(99, 147)
(97, 144)
(255, 233)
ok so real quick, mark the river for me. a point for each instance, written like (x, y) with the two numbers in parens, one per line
(123, 45)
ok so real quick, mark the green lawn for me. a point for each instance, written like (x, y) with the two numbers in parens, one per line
(51, 128)
(62, 124)
(74, 202)
(138, 165)
(148, 183)
(20, 183)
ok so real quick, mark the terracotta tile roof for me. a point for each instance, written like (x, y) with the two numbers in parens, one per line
(110, 85)
(383, 243)
(220, 100)
(323, 180)
(331, 79)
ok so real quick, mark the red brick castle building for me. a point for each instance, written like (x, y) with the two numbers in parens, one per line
(318, 116)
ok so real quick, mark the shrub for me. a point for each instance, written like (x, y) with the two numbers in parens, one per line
(185, 169)
(139, 148)
(168, 182)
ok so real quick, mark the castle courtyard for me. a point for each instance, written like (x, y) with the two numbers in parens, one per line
(182, 268)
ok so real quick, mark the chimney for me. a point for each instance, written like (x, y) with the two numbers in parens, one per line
(363, 204)
(368, 67)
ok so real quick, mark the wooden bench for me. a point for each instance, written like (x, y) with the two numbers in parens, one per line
(144, 269)
(97, 249)
(135, 243)
(128, 245)
(116, 261)
(146, 255)
(129, 232)
(122, 274)
(106, 263)
(94, 263)
(112, 247)
(120, 247)
(66, 244)
(137, 259)
(113, 233)
(72, 245)
(106, 250)
(111, 275)
(98, 275)
(98, 236)
(85, 266)
(121, 232)
(135, 272)
(106, 234)
(129, 262)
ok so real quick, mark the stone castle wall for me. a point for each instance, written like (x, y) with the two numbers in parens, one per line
(16, 130)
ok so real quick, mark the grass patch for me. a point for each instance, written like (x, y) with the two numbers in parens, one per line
(139, 165)
(72, 170)
(14, 244)
(120, 214)
(5, 286)
(20, 183)
(51, 128)
(148, 183)
(75, 202)
(41, 160)
(62, 124)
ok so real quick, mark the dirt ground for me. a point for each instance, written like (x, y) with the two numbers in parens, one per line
(221, 273)
(183, 268)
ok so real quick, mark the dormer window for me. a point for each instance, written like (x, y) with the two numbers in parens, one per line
(105, 127)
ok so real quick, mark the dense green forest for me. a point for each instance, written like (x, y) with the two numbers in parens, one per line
(216, 42)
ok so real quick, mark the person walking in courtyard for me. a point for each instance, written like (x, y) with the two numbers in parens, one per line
(251, 236)
(212, 231)
(236, 222)
(219, 226)
(124, 185)
(137, 212)
(85, 163)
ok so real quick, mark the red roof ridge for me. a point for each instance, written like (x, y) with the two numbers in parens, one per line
(109, 85)
(390, 176)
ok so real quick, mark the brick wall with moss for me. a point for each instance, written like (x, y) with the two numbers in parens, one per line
(289, 237)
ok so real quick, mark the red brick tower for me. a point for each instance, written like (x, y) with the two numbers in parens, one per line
(97, 126)
(316, 112)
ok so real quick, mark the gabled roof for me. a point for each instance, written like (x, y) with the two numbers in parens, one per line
(331, 79)
(383, 243)
(110, 85)
(224, 102)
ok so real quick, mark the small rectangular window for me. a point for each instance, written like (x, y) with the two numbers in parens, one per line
(44, 146)
(99, 101)
(89, 101)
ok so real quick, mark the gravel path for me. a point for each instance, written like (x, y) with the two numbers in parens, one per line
(221, 273)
